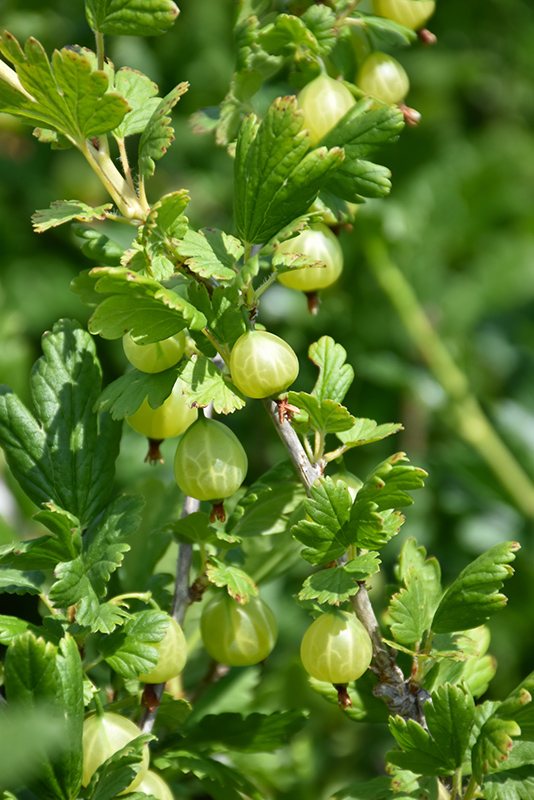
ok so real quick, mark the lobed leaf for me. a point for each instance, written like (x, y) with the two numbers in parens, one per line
(387, 485)
(83, 580)
(335, 375)
(255, 733)
(64, 211)
(240, 586)
(68, 95)
(366, 431)
(493, 745)
(97, 246)
(206, 384)
(410, 611)
(440, 750)
(211, 253)
(140, 94)
(218, 779)
(334, 585)
(115, 775)
(124, 396)
(158, 133)
(474, 596)
(324, 416)
(328, 509)
(131, 17)
(275, 178)
(17, 581)
(128, 649)
(516, 784)
(66, 455)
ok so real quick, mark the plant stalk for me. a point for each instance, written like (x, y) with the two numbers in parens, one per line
(470, 420)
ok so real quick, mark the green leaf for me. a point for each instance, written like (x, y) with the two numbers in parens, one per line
(118, 772)
(239, 585)
(440, 750)
(206, 384)
(65, 211)
(45, 552)
(27, 737)
(287, 34)
(139, 305)
(10, 627)
(131, 17)
(335, 376)
(128, 649)
(194, 528)
(172, 712)
(16, 581)
(123, 397)
(68, 96)
(359, 133)
(519, 706)
(211, 253)
(328, 509)
(220, 781)
(98, 246)
(493, 745)
(388, 30)
(324, 416)
(276, 179)
(366, 431)
(158, 133)
(140, 94)
(83, 580)
(222, 309)
(474, 596)
(66, 455)
(516, 784)
(411, 610)
(37, 673)
(265, 509)
(320, 20)
(375, 789)
(334, 585)
(255, 733)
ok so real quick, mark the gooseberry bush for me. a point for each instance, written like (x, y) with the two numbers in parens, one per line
(107, 685)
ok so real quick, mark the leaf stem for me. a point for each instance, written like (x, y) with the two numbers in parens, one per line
(221, 349)
(457, 784)
(99, 37)
(123, 196)
(125, 164)
(470, 420)
(471, 789)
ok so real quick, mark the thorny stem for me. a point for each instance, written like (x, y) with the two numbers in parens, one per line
(470, 420)
(123, 195)
(397, 692)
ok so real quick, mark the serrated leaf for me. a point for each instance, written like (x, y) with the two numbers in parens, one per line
(359, 133)
(211, 253)
(255, 733)
(206, 384)
(37, 673)
(388, 30)
(140, 305)
(172, 712)
(140, 94)
(194, 528)
(324, 416)
(410, 611)
(366, 431)
(321, 20)
(334, 585)
(222, 308)
(493, 745)
(375, 789)
(45, 551)
(328, 510)
(276, 179)
(10, 627)
(287, 34)
(16, 581)
(221, 781)
(474, 596)
(370, 528)
(158, 133)
(131, 17)
(388, 483)
(239, 585)
(266, 510)
(83, 580)
(440, 750)
(128, 649)
(516, 784)
(64, 211)
(117, 773)
(68, 96)
(124, 396)
(519, 705)
(66, 455)
(335, 375)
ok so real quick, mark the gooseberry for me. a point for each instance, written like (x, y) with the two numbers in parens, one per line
(382, 76)
(324, 102)
(210, 462)
(336, 648)
(103, 735)
(411, 13)
(170, 419)
(238, 634)
(320, 244)
(172, 655)
(157, 356)
(262, 364)
(154, 784)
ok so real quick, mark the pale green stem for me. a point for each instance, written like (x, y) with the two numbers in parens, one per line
(93, 663)
(48, 604)
(222, 350)
(123, 195)
(145, 597)
(125, 164)
(99, 49)
(470, 420)
(471, 789)
(457, 785)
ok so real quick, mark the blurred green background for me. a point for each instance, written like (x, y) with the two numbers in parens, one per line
(459, 223)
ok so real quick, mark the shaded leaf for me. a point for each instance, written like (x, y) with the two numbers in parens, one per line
(335, 376)
(222, 782)
(493, 745)
(516, 784)
(239, 585)
(325, 416)
(131, 17)
(328, 510)
(64, 211)
(124, 396)
(336, 584)
(140, 94)
(158, 133)
(365, 431)
(16, 581)
(211, 253)
(255, 733)
(128, 649)
(205, 384)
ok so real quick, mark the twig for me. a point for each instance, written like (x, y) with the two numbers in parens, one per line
(397, 693)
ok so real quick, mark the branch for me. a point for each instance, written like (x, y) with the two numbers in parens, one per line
(397, 693)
